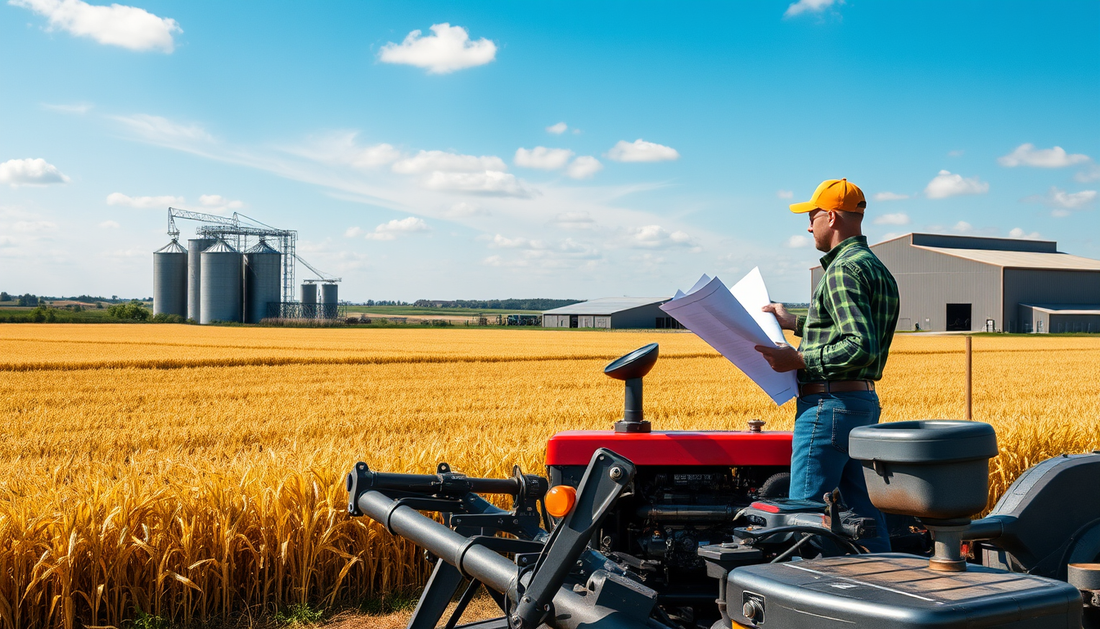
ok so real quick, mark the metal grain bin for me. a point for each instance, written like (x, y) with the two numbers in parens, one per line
(330, 301)
(170, 280)
(221, 295)
(195, 247)
(309, 300)
(262, 280)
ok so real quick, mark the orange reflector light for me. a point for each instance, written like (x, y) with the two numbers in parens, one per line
(560, 500)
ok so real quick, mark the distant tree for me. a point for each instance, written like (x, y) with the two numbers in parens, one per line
(28, 300)
(132, 311)
(4, 296)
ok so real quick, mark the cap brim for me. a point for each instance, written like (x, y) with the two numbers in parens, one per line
(802, 208)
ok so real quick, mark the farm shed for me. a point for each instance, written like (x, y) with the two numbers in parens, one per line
(966, 283)
(611, 313)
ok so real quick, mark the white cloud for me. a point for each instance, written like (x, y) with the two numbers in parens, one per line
(428, 161)
(78, 108)
(962, 227)
(657, 237)
(33, 226)
(143, 203)
(218, 201)
(889, 196)
(956, 153)
(1064, 203)
(163, 130)
(353, 232)
(557, 129)
(489, 182)
(1091, 172)
(396, 227)
(1071, 200)
(466, 210)
(109, 225)
(30, 172)
(803, 6)
(584, 167)
(449, 49)
(114, 25)
(574, 220)
(799, 242)
(567, 253)
(1028, 155)
(341, 147)
(1016, 232)
(947, 184)
(898, 218)
(641, 151)
(375, 156)
(542, 158)
(519, 242)
(785, 194)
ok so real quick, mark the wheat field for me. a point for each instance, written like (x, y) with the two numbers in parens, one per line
(197, 472)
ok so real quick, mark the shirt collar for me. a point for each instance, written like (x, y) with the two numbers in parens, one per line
(844, 244)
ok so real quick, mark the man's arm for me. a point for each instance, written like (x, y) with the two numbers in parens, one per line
(850, 305)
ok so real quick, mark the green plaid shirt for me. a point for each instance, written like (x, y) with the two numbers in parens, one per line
(847, 332)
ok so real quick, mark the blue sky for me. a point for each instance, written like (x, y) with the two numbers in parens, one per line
(564, 149)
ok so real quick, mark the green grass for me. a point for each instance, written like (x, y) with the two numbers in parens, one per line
(413, 311)
(300, 614)
(15, 314)
(402, 599)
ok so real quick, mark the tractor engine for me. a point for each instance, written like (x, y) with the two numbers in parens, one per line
(686, 494)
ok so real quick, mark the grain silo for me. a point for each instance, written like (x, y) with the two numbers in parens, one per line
(309, 300)
(220, 294)
(329, 301)
(262, 280)
(170, 280)
(195, 247)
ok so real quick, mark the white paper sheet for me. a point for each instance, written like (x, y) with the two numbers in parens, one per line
(732, 322)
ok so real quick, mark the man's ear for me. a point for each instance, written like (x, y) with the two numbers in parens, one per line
(833, 218)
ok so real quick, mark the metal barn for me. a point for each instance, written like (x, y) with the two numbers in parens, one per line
(966, 283)
(611, 313)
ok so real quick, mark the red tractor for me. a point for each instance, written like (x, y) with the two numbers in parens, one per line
(693, 530)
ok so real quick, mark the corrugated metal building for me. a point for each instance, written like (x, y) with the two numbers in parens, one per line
(957, 283)
(611, 313)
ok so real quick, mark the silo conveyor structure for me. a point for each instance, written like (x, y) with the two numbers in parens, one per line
(236, 269)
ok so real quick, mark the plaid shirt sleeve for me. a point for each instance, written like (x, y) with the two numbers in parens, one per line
(855, 344)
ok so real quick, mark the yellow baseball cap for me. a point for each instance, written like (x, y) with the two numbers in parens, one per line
(834, 195)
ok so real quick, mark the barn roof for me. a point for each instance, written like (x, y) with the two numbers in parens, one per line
(1021, 259)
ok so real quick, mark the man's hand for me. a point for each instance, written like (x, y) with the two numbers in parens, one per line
(782, 358)
(787, 321)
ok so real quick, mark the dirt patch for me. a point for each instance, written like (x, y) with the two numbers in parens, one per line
(481, 608)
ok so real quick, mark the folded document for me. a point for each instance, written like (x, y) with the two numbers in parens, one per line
(731, 320)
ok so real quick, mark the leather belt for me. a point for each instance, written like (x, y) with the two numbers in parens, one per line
(836, 386)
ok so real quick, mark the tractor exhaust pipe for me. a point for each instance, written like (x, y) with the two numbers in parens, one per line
(570, 610)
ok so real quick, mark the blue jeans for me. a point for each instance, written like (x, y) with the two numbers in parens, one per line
(820, 461)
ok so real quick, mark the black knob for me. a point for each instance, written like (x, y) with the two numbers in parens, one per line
(632, 368)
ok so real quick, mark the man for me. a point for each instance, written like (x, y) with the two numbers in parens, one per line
(845, 340)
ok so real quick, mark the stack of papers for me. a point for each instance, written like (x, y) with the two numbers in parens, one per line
(731, 320)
